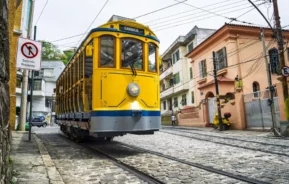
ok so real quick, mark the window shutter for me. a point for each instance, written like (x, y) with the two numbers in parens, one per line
(205, 68)
(225, 57)
(201, 69)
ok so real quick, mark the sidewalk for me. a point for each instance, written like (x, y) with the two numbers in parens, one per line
(31, 162)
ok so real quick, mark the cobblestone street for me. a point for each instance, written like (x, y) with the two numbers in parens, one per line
(201, 157)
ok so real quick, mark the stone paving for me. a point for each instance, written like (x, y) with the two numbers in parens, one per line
(78, 165)
(262, 166)
(166, 170)
(263, 145)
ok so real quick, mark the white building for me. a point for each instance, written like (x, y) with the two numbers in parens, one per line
(44, 85)
(176, 79)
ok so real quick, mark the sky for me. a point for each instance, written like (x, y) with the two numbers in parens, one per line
(64, 18)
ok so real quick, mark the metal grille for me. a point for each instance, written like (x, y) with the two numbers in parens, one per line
(257, 110)
(211, 109)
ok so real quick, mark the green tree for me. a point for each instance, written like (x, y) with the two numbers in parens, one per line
(67, 55)
(50, 51)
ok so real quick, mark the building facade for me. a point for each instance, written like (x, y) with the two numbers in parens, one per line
(18, 26)
(241, 74)
(43, 90)
(176, 79)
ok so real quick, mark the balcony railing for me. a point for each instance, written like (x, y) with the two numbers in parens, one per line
(167, 92)
(166, 73)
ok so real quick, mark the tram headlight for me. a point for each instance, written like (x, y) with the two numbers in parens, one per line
(133, 89)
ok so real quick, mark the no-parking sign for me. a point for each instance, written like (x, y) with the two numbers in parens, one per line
(28, 54)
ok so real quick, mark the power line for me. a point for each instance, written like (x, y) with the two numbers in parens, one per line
(61, 39)
(194, 15)
(69, 37)
(233, 65)
(204, 15)
(192, 10)
(244, 13)
(196, 20)
(220, 15)
(41, 12)
(94, 19)
(160, 9)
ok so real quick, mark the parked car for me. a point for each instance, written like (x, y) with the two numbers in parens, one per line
(38, 121)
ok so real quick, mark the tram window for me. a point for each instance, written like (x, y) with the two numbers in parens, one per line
(152, 57)
(132, 53)
(107, 48)
(88, 63)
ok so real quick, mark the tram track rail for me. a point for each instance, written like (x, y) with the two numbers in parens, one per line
(231, 138)
(224, 143)
(150, 179)
(197, 165)
(141, 175)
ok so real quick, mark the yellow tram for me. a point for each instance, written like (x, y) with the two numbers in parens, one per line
(111, 85)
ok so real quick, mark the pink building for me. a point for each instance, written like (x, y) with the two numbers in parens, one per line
(242, 77)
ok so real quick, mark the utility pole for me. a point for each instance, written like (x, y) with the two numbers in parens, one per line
(281, 50)
(271, 88)
(31, 93)
(217, 93)
(24, 91)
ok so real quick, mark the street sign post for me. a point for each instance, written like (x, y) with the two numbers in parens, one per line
(28, 54)
(285, 71)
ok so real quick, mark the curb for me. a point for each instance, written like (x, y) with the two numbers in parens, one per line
(52, 172)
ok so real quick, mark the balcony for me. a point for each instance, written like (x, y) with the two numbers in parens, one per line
(167, 92)
(166, 73)
(179, 88)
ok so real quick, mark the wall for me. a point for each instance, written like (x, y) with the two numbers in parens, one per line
(49, 88)
(38, 104)
(5, 134)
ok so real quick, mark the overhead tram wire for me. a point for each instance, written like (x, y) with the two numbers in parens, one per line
(220, 15)
(224, 7)
(41, 12)
(93, 20)
(190, 19)
(66, 38)
(244, 14)
(160, 9)
(195, 21)
(61, 39)
(192, 10)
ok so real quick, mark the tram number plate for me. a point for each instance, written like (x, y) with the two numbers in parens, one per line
(131, 29)
(136, 113)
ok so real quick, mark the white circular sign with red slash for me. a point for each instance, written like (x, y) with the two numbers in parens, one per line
(29, 54)
(29, 50)
(285, 71)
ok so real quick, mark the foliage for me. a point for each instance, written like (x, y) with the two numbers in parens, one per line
(66, 57)
(50, 51)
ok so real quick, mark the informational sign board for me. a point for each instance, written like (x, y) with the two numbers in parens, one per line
(285, 71)
(29, 54)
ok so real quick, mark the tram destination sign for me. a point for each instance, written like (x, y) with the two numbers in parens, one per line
(28, 54)
(131, 29)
